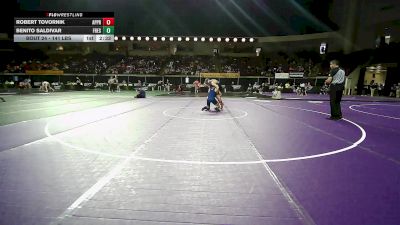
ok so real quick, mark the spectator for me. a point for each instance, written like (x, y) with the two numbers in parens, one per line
(196, 85)
(79, 84)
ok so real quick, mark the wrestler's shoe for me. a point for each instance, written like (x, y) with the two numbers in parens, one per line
(205, 108)
(217, 109)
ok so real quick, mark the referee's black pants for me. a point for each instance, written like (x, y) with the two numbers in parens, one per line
(335, 94)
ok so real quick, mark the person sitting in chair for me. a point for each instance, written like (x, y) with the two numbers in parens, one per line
(140, 93)
(25, 84)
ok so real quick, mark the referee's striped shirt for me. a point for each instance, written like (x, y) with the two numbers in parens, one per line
(338, 78)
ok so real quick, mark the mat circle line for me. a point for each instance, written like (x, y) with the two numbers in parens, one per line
(374, 114)
(355, 144)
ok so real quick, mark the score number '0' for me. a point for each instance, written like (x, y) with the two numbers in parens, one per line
(108, 21)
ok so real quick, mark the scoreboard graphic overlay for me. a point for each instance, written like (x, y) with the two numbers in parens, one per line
(64, 27)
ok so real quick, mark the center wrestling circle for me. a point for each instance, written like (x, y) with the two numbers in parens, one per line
(142, 146)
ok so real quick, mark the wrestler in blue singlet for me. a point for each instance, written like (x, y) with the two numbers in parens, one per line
(211, 99)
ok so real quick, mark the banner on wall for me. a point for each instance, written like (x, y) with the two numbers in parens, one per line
(281, 75)
(296, 74)
(220, 75)
(44, 72)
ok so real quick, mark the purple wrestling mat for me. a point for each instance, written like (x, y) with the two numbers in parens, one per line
(164, 161)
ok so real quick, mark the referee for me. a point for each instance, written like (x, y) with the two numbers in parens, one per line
(336, 81)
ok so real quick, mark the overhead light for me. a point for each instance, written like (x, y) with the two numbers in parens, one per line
(195, 39)
(187, 39)
(235, 39)
(116, 38)
(154, 38)
(219, 39)
(226, 39)
(243, 39)
(179, 39)
(171, 38)
(123, 38)
(163, 39)
(131, 38)
(251, 39)
(203, 39)
(147, 38)
(211, 39)
(139, 38)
